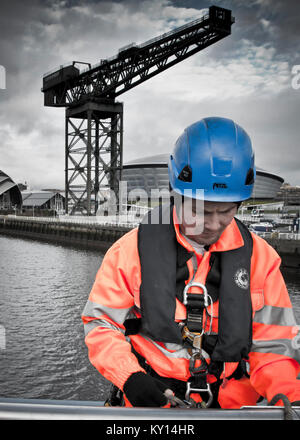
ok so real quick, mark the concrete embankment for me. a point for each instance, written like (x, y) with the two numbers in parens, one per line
(288, 249)
(93, 236)
(98, 236)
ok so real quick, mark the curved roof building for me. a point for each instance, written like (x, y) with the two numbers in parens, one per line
(152, 173)
(10, 195)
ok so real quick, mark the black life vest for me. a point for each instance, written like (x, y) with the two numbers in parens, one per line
(164, 272)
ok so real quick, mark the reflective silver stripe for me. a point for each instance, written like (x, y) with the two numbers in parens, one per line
(89, 326)
(271, 315)
(95, 310)
(181, 352)
(285, 347)
(172, 346)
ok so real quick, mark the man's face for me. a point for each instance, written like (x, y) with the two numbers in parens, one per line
(204, 222)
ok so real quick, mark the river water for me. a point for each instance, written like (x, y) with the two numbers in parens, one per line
(43, 290)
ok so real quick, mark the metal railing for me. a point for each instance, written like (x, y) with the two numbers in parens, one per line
(39, 409)
(264, 219)
(288, 236)
(132, 218)
(174, 31)
(148, 42)
(81, 220)
(58, 68)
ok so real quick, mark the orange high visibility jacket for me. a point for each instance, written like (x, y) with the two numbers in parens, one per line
(274, 359)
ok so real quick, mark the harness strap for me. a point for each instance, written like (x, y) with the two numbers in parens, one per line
(193, 333)
(194, 312)
(180, 387)
(132, 326)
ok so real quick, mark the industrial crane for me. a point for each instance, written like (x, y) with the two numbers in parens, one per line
(94, 119)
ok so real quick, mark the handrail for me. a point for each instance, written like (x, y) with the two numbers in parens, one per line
(128, 221)
(148, 42)
(174, 31)
(38, 409)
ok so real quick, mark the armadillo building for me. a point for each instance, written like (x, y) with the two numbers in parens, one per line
(149, 173)
(10, 195)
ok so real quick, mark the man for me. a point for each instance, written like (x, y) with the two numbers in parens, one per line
(197, 304)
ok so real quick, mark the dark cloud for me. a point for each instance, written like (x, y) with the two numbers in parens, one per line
(272, 22)
(245, 76)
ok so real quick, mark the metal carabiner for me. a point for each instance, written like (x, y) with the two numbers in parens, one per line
(197, 355)
(207, 300)
(190, 389)
(192, 284)
(201, 369)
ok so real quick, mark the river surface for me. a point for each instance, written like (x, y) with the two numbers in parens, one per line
(43, 290)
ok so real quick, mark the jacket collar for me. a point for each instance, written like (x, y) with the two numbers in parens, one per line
(230, 239)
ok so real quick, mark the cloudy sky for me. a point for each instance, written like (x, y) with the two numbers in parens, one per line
(246, 76)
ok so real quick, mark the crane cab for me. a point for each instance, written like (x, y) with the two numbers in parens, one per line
(221, 19)
(55, 81)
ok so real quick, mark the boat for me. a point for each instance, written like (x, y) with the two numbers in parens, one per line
(261, 228)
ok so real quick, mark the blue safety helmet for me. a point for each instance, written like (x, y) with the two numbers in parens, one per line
(215, 155)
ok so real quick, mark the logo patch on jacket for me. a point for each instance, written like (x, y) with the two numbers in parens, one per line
(241, 278)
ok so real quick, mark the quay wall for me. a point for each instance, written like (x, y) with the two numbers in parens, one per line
(288, 249)
(98, 236)
(92, 236)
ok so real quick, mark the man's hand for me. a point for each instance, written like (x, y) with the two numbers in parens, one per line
(144, 390)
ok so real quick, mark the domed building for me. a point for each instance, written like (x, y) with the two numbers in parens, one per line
(10, 194)
(151, 172)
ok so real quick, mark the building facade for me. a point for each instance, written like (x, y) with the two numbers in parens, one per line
(10, 194)
(151, 173)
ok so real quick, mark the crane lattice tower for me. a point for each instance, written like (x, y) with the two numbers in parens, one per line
(94, 119)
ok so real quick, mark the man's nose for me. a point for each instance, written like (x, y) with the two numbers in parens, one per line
(212, 223)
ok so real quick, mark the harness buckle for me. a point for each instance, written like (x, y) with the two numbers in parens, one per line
(198, 382)
(194, 337)
(190, 389)
(202, 368)
(194, 284)
(207, 301)
(195, 304)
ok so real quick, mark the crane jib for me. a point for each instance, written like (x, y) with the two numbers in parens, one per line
(94, 119)
(134, 64)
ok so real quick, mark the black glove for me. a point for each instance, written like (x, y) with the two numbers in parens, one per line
(144, 390)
